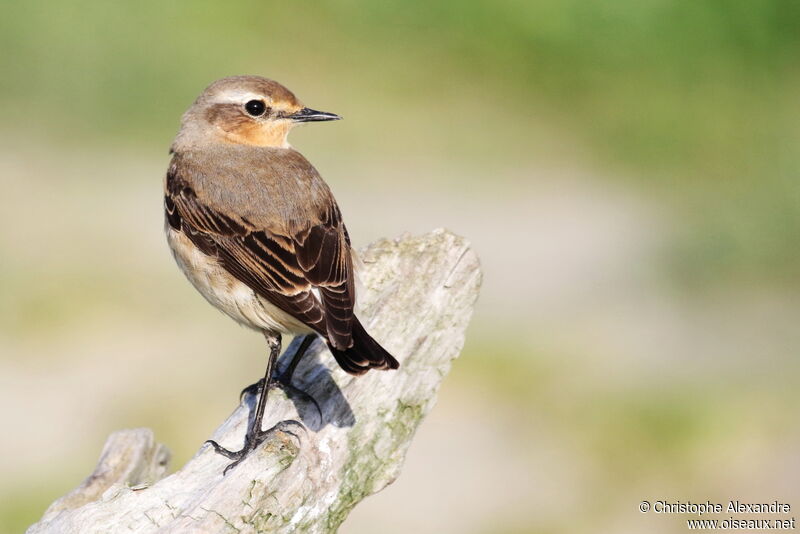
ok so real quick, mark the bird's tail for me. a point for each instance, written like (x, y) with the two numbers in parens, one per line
(365, 354)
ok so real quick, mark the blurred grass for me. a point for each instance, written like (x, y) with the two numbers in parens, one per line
(17, 512)
(682, 416)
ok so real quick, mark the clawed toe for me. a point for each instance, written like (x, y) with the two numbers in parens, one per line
(252, 389)
(252, 440)
(249, 445)
(236, 456)
(285, 425)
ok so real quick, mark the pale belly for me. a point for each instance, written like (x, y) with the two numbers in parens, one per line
(226, 293)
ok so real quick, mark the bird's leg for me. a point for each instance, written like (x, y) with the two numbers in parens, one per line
(255, 436)
(284, 380)
(286, 376)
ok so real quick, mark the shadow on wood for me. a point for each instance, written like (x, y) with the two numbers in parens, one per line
(314, 379)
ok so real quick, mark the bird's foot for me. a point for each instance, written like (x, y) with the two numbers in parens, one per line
(252, 389)
(252, 440)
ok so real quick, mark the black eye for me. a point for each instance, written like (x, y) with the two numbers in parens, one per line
(256, 108)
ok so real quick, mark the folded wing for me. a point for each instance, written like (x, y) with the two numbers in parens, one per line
(283, 269)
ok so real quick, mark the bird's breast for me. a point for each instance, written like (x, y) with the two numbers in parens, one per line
(227, 293)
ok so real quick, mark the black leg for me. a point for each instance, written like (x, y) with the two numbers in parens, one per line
(255, 436)
(284, 381)
(274, 342)
(286, 376)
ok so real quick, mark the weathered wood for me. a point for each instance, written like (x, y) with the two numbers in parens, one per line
(417, 299)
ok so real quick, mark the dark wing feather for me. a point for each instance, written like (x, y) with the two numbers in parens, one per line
(282, 269)
(323, 252)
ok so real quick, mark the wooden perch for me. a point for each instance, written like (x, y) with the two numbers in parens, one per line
(417, 299)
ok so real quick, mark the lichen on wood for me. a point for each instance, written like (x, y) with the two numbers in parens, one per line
(417, 298)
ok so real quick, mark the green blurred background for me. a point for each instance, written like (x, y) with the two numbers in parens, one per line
(626, 170)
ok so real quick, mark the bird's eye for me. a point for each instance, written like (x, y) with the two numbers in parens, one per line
(256, 108)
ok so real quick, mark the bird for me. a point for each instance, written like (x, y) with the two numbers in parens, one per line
(257, 231)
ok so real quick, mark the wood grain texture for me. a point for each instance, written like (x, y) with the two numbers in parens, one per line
(417, 299)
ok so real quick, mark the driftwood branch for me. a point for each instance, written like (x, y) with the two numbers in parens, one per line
(417, 298)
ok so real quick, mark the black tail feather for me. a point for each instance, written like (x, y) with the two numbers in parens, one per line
(365, 354)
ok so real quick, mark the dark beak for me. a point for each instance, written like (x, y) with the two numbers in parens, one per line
(312, 115)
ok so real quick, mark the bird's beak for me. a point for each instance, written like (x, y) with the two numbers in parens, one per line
(312, 115)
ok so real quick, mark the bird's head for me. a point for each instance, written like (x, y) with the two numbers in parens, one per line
(245, 110)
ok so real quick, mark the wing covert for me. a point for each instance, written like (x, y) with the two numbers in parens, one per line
(280, 268)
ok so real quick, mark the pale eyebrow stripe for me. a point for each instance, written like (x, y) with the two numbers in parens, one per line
(238, 97)
(242, 98)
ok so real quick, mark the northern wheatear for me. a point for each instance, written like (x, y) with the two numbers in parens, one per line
(257, 231)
